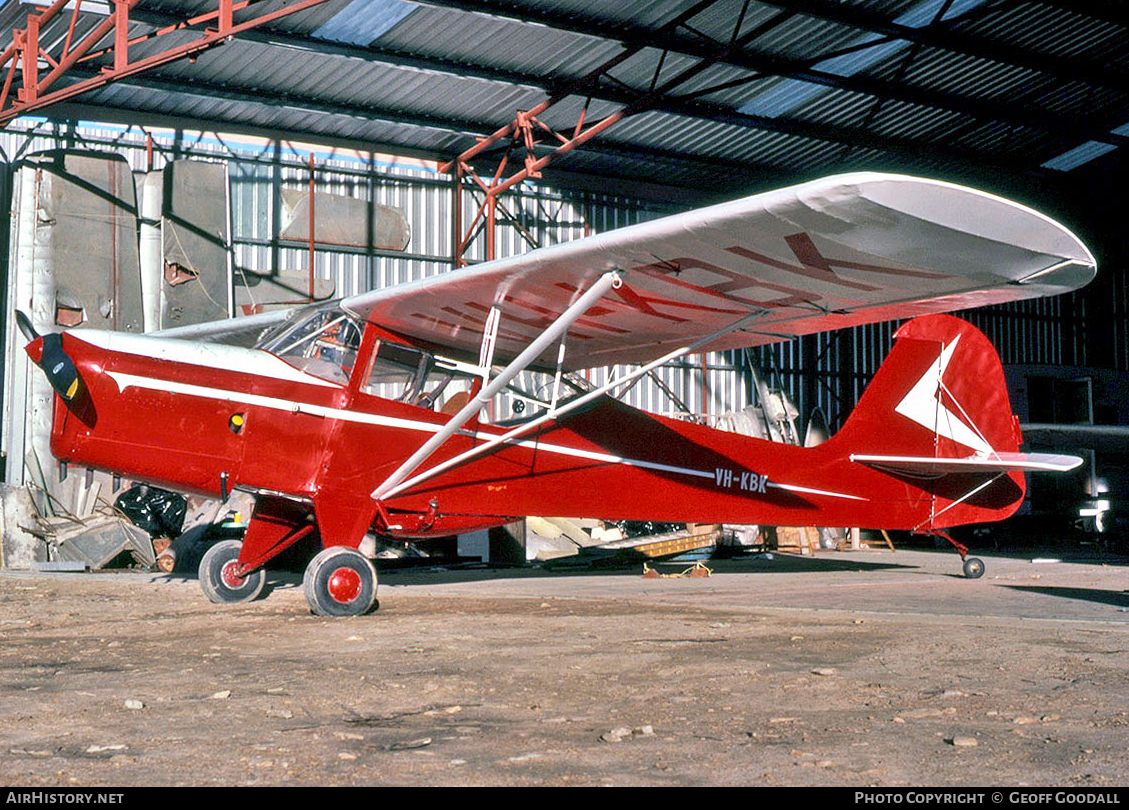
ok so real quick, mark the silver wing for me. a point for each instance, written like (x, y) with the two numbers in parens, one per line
(836, 252)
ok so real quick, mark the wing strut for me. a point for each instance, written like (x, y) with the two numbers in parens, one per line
(534, 350)
(554, 413)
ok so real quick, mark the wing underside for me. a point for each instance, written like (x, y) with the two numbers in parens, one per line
(824, 255)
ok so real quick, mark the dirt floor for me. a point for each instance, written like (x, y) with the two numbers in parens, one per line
(871, 668)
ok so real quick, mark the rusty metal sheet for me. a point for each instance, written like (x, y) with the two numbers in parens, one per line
(73, 263)
(86, 223)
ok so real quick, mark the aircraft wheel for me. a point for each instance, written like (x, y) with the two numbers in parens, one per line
(340, 581)
(973, 567)
(218, 579)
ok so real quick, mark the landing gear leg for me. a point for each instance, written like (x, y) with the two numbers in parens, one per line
(340, 581)
(973, 566)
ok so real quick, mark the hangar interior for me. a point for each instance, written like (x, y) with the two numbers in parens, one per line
(483, 130)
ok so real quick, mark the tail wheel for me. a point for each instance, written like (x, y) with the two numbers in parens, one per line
(973, 567)
(340, 581)
(220, 578)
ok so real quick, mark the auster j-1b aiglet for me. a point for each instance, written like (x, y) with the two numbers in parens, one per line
(367, 415)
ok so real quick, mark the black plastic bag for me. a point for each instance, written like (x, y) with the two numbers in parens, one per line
(157, 511)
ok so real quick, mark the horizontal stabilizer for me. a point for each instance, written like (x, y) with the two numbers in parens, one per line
(997, 462)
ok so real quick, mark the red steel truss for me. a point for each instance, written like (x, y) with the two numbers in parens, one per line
(107, 47)
(528, 132)
(35, 65)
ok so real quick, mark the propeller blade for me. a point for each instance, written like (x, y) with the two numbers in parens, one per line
(58, 367)
(46, 351)
(24, 323)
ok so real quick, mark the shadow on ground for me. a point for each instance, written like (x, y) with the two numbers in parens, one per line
(438, 573)
(759, 564)
(1115, 598)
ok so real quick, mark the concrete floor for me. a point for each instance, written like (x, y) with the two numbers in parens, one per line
(1079, 587)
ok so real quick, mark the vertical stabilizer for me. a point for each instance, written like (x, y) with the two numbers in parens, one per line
(940, 393)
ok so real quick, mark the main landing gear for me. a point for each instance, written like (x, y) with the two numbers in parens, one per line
(339, 581)
(221, 579)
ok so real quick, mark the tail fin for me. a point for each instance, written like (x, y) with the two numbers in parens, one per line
(940, 393)
(937, 417)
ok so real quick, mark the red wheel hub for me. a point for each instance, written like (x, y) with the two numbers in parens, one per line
(344, 585)
(231, 576)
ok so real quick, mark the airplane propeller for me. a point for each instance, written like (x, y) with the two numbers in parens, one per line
(46, 351)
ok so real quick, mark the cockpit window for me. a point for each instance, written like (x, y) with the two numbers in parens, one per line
(323, 343)
(398, 372)
(406, 374)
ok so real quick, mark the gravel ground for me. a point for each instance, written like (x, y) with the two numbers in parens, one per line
(869, 668)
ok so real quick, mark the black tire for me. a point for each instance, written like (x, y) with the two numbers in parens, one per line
(218, 581)
(973, 567)
(340, 581)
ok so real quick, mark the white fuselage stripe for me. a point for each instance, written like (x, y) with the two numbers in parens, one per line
(205, 356)
(809, 491)
(131, 380)
(125, 381)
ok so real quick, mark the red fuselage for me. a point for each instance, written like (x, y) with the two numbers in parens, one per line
(204, 418)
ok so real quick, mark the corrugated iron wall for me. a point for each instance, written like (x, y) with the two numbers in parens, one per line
(826, 371)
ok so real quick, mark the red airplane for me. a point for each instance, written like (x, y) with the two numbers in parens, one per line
(369, 414)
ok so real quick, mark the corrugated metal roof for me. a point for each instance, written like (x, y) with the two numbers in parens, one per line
(722, 92)
(364, 21)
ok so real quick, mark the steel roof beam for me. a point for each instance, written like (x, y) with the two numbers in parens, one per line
(948, 39)
(631, 36)
(466, 129)
(603, 28)
(904, 148)
(471, 130)
(1068, 128)
(853, 137)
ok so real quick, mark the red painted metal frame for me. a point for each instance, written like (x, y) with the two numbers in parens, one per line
(20, 59)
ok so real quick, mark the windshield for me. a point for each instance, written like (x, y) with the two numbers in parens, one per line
(323, 343)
